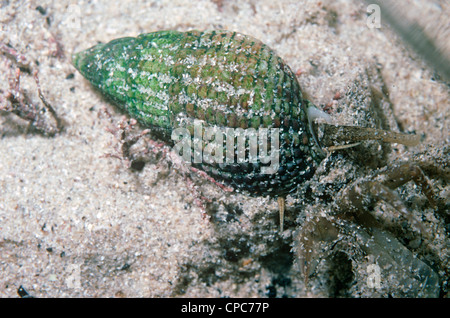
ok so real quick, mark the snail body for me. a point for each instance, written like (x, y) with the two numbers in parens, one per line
(226, 87)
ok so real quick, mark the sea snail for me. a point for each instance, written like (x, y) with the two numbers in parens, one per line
(225, 80)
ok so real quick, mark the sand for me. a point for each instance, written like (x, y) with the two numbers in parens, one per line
(77, 223)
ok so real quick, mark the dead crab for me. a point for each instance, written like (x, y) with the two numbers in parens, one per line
(350, 242)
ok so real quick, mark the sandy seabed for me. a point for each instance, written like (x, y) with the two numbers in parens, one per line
(77, 223)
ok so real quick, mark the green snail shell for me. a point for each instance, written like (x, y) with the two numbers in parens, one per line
(169, 79)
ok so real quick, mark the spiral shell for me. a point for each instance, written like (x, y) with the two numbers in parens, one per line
(170, 79)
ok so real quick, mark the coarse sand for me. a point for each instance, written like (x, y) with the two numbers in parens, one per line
(77, 222)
